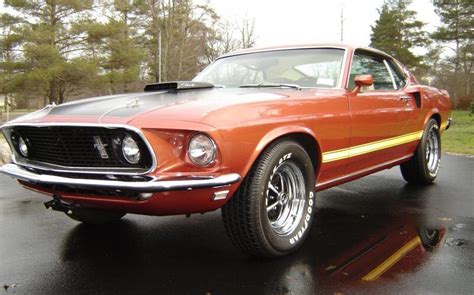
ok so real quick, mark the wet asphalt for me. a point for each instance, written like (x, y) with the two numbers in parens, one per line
(358, 227)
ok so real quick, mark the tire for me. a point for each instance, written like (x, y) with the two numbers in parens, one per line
(257, 219)
(423, 167)
(94, 216)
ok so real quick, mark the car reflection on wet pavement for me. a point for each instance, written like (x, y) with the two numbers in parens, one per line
(375, 235)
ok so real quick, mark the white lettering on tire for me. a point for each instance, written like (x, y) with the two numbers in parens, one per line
(307, 218)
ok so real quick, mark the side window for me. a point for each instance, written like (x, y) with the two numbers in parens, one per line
(398, 75)
(363, 64)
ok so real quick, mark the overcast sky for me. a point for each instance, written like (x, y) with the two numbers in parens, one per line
(281, 22)
(311, 21)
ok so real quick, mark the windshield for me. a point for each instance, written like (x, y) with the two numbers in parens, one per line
(301, 67)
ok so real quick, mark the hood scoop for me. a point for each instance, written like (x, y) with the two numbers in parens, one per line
(177, 85)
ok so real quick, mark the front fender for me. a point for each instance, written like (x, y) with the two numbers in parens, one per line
(274, 135)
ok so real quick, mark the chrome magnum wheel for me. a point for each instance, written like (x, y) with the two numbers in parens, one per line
(424, 166)
(271, 213)
(285, 198)
(433, 151)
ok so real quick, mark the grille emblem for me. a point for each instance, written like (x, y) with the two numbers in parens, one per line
(101, 147)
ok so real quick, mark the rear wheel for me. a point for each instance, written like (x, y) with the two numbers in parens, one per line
(94, 216)
(424, 166)
(271, 213)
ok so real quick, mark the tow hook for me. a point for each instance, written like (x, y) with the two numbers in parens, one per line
(57, 204)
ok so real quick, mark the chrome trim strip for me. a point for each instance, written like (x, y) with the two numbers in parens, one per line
(83, 170)
(18, 172)
(80, 170)
(348, 74)
(391, 74)
(356, 173)
(258, 50)
(343, 68)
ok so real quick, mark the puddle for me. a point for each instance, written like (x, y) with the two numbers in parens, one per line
(459, 226)
(455, 242)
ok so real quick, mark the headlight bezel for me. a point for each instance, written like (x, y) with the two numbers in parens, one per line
(211, 145)
(131, 159)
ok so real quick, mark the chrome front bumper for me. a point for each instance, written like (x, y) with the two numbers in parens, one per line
(137, 186)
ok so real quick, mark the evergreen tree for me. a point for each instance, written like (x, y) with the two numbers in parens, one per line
(456, 31)
(10, 63)
(397, 32)
(51, 49)
(54, 50)
(122, 52)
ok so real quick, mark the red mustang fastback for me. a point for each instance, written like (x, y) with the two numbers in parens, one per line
(256, 133)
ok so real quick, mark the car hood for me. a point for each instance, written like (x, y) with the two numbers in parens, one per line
(145, 109)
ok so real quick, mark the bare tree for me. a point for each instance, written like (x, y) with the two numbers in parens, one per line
(247, 32)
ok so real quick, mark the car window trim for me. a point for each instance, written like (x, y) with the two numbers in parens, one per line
(376, 54)
(385, 62)
(394, 66)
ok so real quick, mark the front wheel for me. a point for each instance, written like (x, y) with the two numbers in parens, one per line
(271, 213)
(424, 166)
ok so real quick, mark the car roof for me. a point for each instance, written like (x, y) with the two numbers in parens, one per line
(303, 46)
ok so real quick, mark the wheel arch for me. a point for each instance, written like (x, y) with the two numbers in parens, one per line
(302, 135)
(437, 117)
(433, 114)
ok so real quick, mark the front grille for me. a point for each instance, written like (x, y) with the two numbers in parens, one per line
(76, 146)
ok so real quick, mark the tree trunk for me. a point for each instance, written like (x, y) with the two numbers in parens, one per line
(5, 103)
(159, 57)
(155, 8)
(52, 95)
(181, 51)
(62, 92)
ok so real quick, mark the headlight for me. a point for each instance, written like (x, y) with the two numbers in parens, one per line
(130, 150)
(201, 150)
(22, 147)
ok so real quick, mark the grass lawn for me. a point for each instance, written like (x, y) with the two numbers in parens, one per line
(459, 138)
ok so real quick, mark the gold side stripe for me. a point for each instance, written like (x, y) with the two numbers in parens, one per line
(370, 147)
(392, 260)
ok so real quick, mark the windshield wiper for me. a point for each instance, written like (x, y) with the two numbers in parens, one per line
(263, 85)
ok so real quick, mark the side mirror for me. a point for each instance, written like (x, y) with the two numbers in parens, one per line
(362, 81)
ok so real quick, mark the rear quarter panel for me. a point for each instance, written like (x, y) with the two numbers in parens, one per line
(435, 102)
